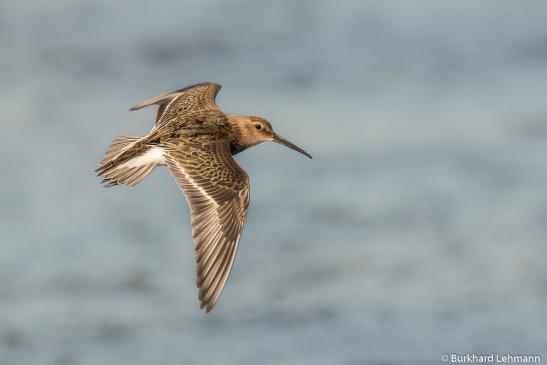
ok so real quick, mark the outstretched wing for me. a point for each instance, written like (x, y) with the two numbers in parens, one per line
(192, 98)
(217, 190)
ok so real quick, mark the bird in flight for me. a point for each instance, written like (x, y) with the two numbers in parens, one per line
(196, 141)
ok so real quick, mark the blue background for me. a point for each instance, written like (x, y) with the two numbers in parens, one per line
(419, 228)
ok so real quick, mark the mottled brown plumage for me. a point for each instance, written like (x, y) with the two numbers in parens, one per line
(196, 141)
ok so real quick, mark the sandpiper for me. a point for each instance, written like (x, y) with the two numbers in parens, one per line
(196, 141)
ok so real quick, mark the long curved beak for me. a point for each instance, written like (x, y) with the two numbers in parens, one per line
(277, 138)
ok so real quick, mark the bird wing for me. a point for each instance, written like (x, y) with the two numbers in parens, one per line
(217, 190)
(195, 97)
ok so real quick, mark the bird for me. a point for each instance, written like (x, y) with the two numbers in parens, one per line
(197, 142)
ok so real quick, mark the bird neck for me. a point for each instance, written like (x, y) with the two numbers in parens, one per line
(242, 138)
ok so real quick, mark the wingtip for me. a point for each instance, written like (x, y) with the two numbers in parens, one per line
(208, 306)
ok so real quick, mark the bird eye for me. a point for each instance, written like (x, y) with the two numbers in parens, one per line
(258, 126)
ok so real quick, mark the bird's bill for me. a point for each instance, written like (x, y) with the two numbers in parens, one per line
(277, 138)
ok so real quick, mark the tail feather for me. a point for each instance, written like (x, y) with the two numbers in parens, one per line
(128, 162)
(118, 146)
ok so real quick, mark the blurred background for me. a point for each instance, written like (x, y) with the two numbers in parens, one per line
(419, 228)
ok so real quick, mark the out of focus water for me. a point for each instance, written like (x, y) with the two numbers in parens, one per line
(420, 227)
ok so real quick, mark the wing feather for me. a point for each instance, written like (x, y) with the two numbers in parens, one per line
(195, 97)
(217, 190)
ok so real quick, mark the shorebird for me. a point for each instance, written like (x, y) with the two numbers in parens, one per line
(196, 141)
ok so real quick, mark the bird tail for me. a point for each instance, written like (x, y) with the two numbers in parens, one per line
(128, 161)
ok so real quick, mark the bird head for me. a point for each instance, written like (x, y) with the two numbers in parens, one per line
(255, 130)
